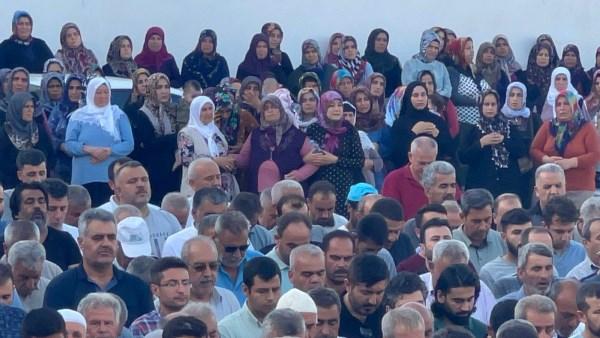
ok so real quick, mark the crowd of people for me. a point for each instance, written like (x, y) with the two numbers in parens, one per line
(352, 196)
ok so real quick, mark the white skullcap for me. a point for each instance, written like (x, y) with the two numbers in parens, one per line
(71, 316)
(298, 301)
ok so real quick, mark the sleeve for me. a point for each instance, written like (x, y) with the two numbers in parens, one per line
(286, 65)
(591, 144)
(174, 75)
(459, 99)
(186, 73)
(74, 146)
(402, 135)
(185, 146)
(125, 146)
(537, 146)
(307, 170)
(224, 71)
(447, 87)
(393, 78)
(243, 158)
(407, 73)
(469, 149)
(74, 255)
(354, 157)
(240, 74)
(107, 70)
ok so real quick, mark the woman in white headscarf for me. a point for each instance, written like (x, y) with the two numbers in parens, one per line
(560, 80)
(97, 134)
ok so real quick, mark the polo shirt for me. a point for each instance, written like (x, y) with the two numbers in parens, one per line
(286, 284)
(235, 286)
(223, 302)
(351, 327)
(174, 243)
(404, 188)
(496, 269)
(583, 269)
(515, 295)
(569, 257)
(241, 323)
(415, 263)
(260, 237)
(492, 247)
(61, 248)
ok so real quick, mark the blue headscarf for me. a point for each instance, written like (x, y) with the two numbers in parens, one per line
(427, 38)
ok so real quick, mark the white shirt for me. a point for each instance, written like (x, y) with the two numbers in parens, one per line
(111, 205)
(174, 243)
(582, 270)
(73, 231)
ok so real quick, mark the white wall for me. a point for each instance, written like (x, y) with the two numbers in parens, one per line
(235, 21)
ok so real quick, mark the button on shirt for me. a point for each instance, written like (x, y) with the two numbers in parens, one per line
(235, 286)
(492, 247)
(241, 323)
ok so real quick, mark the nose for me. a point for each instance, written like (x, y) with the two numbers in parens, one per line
(373, 300)
(465, 306)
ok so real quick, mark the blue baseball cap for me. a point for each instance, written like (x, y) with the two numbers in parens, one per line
(359, 190)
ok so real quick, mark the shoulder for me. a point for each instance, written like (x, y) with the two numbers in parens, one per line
(65, 280)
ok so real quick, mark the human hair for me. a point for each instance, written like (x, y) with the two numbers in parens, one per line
(516, 328)
(199, 310)
(56, 187)
(532, 248)
(207, 223)
(388, 208)
(372, 227)
(126, 210)
(403, 283)
(434, 207)
(451, 206)
(433, 223)
(42, 322)
(248, 204)
(96, 300)
(537, 303)
(505, 197)
(185, 326)
(175, 200)
(78, 195)
(111, 167)
(533, 230)
(128, 164)
(518, 216)
(557, 286)
(325, 298)
(310, 250)
(262, 267)
(589, 212)
(140, 267)
(336, 234)
(194, 84)
(587, 290)
(5, 274)
(163, 264)
(501, 312)
(453, 332)
(285, 187)
(30, 253)
(200, 240)
(404, 317)
(320, 187)
(199, 162)
(90, 215)
(367, 269)
(563, 208)
(284, 323)
(31, 156)
(296, 202)
(433, 169)
(476, 199)
(213, 194)
(423, 143)
(549, 168)
(451, 249)
(457, 276)
(20, 230)
(16, 199)
(292, 217)
(233, 221)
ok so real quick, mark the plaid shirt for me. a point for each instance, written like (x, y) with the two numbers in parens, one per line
(145, 324)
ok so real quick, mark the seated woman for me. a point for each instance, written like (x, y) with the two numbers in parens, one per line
(51, 90)
(21, 49)
(307, 114)
(97, 134)
(250, 95)
(571, 142)
(54, 65)
(491, 149)
(560, 80)
(350, 59)
(135, 101)
(343, 82)
(119, 60)
(572, 61)
(369, 120)
(236, 124)
(311, 62)
(258, 62)
(204, 64)
(382, 60)
(275, 151)
(73, 54)
(156, 59)
(339, 155)
(280, 58)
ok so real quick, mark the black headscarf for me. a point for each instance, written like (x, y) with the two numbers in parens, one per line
(381, 62)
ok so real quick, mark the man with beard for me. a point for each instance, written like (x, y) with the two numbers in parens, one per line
(564, 294)
(540, 311)
(484, 243)
(512, 224)
(202, 258)
(170, 284)
(534, 269)
(98, 243)
(549, 182)
(361, 305)
(455, 293)
(338, 247)
(328, 312)
(355, 202)
(588, 306)
(321, 200)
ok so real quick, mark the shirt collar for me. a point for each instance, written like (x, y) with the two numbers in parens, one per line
(250, 314)
(467, 240)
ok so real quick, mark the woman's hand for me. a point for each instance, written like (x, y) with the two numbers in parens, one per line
(551, 159)
(321, 158)
(292, 175)
(225, 162)
(567, 163)
(424, 128)
(491, 139)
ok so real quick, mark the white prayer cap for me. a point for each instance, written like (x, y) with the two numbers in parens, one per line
(298, 301)
(71, 316)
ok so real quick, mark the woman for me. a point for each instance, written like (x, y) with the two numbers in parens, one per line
(349, 59)
(376, 85)
(135, 101)
(51, 92)
(17, 81)
(546, 38)
(592, 101)
(54, 65)
(73, 54)
(311, 62)
(258, 62)
(538, 74)
(333, 49)
(571, 142)
(415, 120)
(119, 60)
(593, 70)
(370, 121)
(490, 69)
(21, 49)
(20, 132)
(250, 94)
(448, 110)
(204, 64)
(560, 80)
(491, 149)
(275, 151)
(236, 124)
(202, 138)
(339, 154)
(343, 82)
(311, 80)
(505, 55)
(307, 114)
(516, 111)
(97, 134)
(382, 61)
(280, 58)
(572, 61)
(156, 59)
(443, 55)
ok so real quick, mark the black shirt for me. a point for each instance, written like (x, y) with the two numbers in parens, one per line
(61, 248)
(402, 248)
(351, 327)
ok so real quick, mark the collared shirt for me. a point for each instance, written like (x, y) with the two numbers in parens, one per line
(174, 243)
(566, 259)
(476, 327)
(241, 323)
(235, 286)
(583, 269)
(415, 263)
(492, 247)
(286, 284)
(10, 321)
(145, 324)
(536, 215)
(404, 188)
(35, 300)
(496, 269)
(352, 327)
(223, 302)
(260, 237)
(516, 295)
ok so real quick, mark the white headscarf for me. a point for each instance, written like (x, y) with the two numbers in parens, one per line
(512, 113)
(217, 144)
(552, 91)
(100, 116)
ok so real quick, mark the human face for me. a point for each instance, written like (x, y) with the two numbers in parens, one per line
(350, 50)
(227, 239)
(295, 234)
(458, 301)
(490, 106)
(401, 331)
(321, 207)
(6, 292)
(20, 82)
(488, 56)
(54, 89)
(207, 113)
(26, 279)
(57, 211)
(125, 49)
(308, 272)
(336, 44)
(132, 186)
(74, 330)
(155, 43)
(102, 96)
(591, 317)
(33, 207)
(377, 86)
(73, 38)
(99, 243)
(428, 81)
(350, 117)
(478, 223)
(27, 112)
(207, 45)
(173, 290)
(263, 295)
(55, 67)
(74, 91)
(275, 37)
(418, 98)
(271, 112)
(414, 297)
(543, 322)
(512, 236)
(536, 275)
(549, 185)
(570, 59)
(337, 259)
(381, 42)
(101, 323)
(335, 111)
(515, 98)
(23, 28)
(542, 59)
(363, 299)
(262, 50)
(205, 176)
(345, 86)
(502, 48)
(363, 103)
(251, 92)
(163, 91)
(328, 322)
(562, 232)
(592, 245)
(211, 326)
(432, 51)
(468, 52)
(311, 55)
(561, 82)
(309, 103)
(141, 84)
(268, 216)
(419, 159)
(394, 230)
(203, 264)
(432, 236)
(443, 189)
(564, 111)
(566, 316)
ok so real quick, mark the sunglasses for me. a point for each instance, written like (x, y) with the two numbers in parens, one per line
(233, 249)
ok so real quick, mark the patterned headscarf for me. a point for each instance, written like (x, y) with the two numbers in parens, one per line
(571, 48)
(134, 78)
(554, 61)
(333, 129)
(392, 109)
(299, 114)
(508, 63)
(564, 131)
(427, 38)
(23, 134)
(337, 77)
(371, 120)
(492, 72)
(357, 65)
(161, 114)
(76, 59)
(309, 75)
(512, 113)
(120, 67)
(45, 101)
(497, 124)
(310, 43)
(330, 57)
(274, 130)
(593, 100)
(51, 61)
(536, 74)
(224, 100)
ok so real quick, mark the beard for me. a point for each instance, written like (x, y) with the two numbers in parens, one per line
(325, 222)
(440, 310)
(514, 250)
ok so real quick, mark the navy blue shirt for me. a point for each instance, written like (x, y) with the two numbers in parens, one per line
(11, 319)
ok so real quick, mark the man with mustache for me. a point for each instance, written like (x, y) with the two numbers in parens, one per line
(455, 293)
(321, 205)
(590, 232)
(338, 247)
(549, 182)
(541, 312)
(307, 267)
(588, 306)
(534, 269)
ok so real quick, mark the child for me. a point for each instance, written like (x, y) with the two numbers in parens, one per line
(191, 89)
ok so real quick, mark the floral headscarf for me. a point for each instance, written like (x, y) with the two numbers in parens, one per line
(78, 59)
(120, 67)
(497, 124)
(161, 114)
(565, 131)
(274, 130)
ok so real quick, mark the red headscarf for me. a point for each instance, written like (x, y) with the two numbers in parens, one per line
(457, 50)
(149, 59)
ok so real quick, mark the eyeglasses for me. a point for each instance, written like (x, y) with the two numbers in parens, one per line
(233, 249)
(213, 266)
(175, 283)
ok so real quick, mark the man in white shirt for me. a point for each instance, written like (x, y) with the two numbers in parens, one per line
(590, 219)
(134, 241)
(202, 173)
(26, 259)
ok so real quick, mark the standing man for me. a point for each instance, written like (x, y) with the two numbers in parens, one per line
(549, 182)
(328, 312)
(540, 311)
(338, 247)
(588, 309)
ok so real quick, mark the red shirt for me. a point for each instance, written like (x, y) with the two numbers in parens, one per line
(403, 187)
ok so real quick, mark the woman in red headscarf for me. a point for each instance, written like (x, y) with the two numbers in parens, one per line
(155, 57)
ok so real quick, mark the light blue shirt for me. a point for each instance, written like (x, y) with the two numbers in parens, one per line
(223, 303)
(286, 284)
(235, 286)
(516, 295)
(566, 260)
(241, 323)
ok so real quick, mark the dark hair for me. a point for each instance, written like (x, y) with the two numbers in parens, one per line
(434, 207)
(502, 312)
(373, 227)
(292, 217)
(56, 187)
(113, 164)
(533, 230)
(475, 199)
(262, 267)
(388, 208)
(516, 328)
(438, 101)
(453, 332)
(163, 264)
(185, 326)
(296, 202)
(248, 204)
(215, 195)
(368, 269)
(5, 273)
(128, 164)
(430, 73)
(518, 216)
(433, 223)
(457, 276)
(336, 234)
(403, 283)
(562, 207)
(192, 83)
(324, 187)
(30, 157)
(587, 290)
(42, 322)
(325, 297)
(15, 198)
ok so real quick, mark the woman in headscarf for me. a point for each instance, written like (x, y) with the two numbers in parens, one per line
(21, 132)
(369, 120)
(258, 62)
(280, 58)
(443, 55)
(491, 149)
(505, 55)
(275, 151)
(202, 138)
(285, 98)
(73, 54)
(448, 110)
(155, 57)
(560, 80)
(236, 124)
(593, 70)
(572, 61)
(119, 59)
(343, 82)
(154, 133)
(311, 62)
(308, 108)
(135, 101)
(349, 58)
(592, 101)
(339, 154)
(415, 120)
(97, 134)
(311, 80)
(546, 38)
(376, 85)
(51, 92)
(539, 70)
(54, 65)
(21, 49)
(16, 81)
(426, 60)
(382, 61)
(571, 142)
(204, 64)
(333, 49)
(490, 69)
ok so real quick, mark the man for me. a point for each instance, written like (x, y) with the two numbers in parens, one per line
(354, 206)
(293, 230)
(484, 243)
(516, 328)
(249, 205)
(232, 243)
(590, 233)
(455, 294)
(7, 287)
(404, 184)
(411, 228)
(268, 215)
(397, 243)
(338, 247)
(534, 269)
(328, 312)
(406, 287)
(262, 287)
(58, 204)
(102, 312)
(284, 323)
(170, 284)
(207, 201)
(454, 213)
(371, 236)
(432, 231)
(98, 243)
(26, 259)
(361, 311)
(512, 224)
(78, 200)
(43, 323)
(204, 173)
(502, 204)
(177, 205)
(307, 267)
(540, 311)
(202, 258)
(560, 215)
(425, 314)
(29, 202)
(403, 323)
(74, 323)
(133, 238)
(588, 306)
(11, 319)
(302, 303)
(132, 186)
(549, 182)
(321, 200)
(564, 294)
(204, 312)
